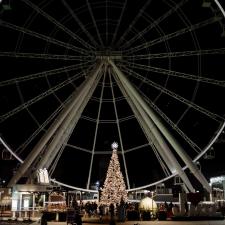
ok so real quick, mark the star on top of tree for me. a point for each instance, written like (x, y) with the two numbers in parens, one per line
(115, 145)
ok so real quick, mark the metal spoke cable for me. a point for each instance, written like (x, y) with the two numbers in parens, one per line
(134, 21)
(41, 74)
(176, 54)
(149, 128)
(22, 147)
(56, 154)
(107, 152)
(88, 118)
(177, 74)
(38, 98)
(66, 127)
(185, 30)
(197, 46)
(161, 162)
(94, 22)
(63, 121)
(119, 130)
(57, 158)
(97, 99)
(109, 85)
(49, 86)
(160, 132)
(22, 101)
(196, 43)
(119, 22)
(84, 29)
(153, 24)
(174, 126)
(108, 121)
(106, 22)
(79, 148)
(30, 19)
(168, 49)
(43, 37)
(204, 111)
(136, 148)
(122, 119)
(52, 167)
(151, 143)
(58, 24)
(144, 129)
(43, 125)
(96, 129)
(187, 23)
(45, 56)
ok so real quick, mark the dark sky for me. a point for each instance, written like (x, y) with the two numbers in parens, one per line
(176, 47)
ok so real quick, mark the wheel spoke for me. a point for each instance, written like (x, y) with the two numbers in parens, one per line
(154, 24)
(58, 24)
(178, 74)
(39, 97)
(41, 74)
(119, 23)
(132, 24)
(176, 54)
(94, 22)
(179, 98)
(173, 35)
(43, 37)
(91, 38)
(44, 56)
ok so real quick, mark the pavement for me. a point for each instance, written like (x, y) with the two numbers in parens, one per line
(106, 221)
(95, 221)
(155, 222)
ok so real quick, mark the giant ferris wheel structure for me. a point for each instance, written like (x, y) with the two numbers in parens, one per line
(77, 75)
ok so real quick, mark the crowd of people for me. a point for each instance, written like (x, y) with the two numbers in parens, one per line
(122, 211)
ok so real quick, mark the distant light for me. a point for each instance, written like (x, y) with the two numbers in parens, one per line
(14, 205)
(114, 145)
(219, 179)
(147, 204)
(42, 176)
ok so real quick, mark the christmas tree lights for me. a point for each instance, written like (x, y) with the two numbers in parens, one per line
(114, 188)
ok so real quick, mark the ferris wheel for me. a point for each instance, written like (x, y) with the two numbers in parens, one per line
(78, 75)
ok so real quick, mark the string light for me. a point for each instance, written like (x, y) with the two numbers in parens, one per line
(114, 188)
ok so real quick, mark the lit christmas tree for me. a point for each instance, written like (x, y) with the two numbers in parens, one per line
(114, 188)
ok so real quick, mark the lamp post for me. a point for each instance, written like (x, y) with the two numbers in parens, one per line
(1, 205)
(152, 195)
(1, 192)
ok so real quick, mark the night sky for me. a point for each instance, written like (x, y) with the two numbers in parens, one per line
(171, 51)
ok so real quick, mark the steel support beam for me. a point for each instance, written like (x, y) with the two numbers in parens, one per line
(152, 133)
(42, 144)
(63, 133)
(176, 146)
